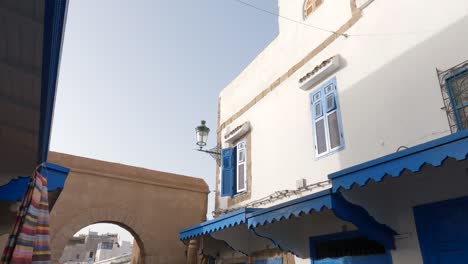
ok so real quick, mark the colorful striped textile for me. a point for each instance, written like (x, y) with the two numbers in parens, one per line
(29, 239)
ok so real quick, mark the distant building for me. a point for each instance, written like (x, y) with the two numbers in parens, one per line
(123, 259)
(107, 250)
(94, 247)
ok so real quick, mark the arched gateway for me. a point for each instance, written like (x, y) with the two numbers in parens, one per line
(152, 205)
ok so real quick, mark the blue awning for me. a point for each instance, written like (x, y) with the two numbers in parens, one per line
(259, 220)
(226, 221)
(15, 189)
(413, 159)
(295, 208)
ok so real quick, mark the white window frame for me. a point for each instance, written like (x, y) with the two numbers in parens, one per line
(319, 96)
(241, 147)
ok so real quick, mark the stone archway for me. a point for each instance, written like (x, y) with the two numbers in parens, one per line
(152, 205)
(61, 235)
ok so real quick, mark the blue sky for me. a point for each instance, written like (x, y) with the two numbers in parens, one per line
(136, 77)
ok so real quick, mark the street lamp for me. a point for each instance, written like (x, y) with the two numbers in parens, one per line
(202, 132)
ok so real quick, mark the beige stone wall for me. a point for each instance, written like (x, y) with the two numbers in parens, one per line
(136, 253)
(152, 205)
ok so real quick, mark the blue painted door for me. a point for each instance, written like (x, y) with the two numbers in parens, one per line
(269, 261)
(443, 231)
(371, 259)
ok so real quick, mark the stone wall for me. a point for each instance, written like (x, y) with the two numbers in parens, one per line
(152, 205)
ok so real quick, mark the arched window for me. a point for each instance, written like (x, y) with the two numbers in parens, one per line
(310, 6)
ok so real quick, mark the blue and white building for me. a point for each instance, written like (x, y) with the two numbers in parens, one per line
(31, 34)
(346, 141)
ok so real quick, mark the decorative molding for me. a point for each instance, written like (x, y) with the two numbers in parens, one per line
(248, 194)
(237, 133)
(320, 72)
(217, 224)
(433, 153)
(318, 203)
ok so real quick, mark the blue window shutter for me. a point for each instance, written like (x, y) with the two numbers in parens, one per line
(228, 173)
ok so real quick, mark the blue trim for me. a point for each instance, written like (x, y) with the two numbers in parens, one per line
(344, 210)
(434, 153)
(269, 239)
(295, 208)
(56, 176)
(365, 223)
(54, 17)
(228, 220)
(15, 189)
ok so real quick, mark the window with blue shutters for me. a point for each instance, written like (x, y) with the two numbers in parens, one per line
(234, 169)
(328, 134)
(241, 176)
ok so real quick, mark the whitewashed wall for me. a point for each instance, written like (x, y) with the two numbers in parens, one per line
(123, 249)
(388, 89)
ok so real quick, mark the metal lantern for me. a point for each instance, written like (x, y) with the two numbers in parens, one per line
(202, 132)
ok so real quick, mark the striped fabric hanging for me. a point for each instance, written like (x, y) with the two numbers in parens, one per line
(29, 239)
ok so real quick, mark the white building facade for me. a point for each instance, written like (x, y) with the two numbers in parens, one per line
(345, 140)
(93, 247)
(122, 259)
(108, 250)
